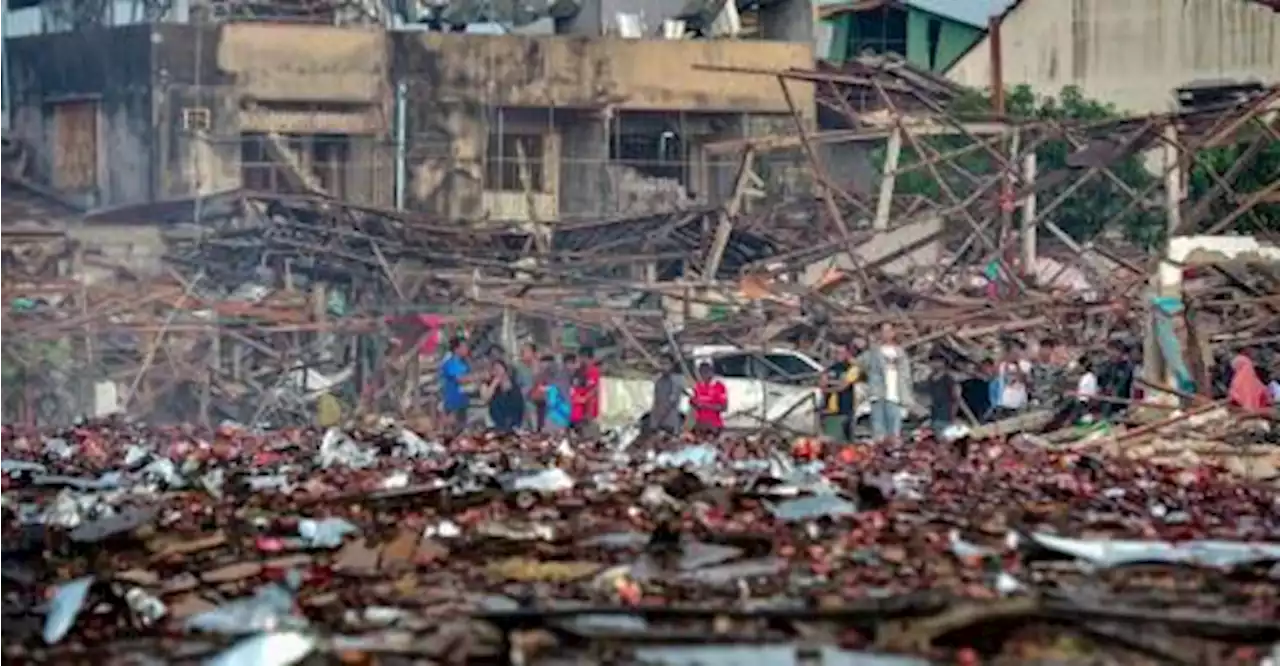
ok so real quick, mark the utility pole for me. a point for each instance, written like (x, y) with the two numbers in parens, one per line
(997, 103)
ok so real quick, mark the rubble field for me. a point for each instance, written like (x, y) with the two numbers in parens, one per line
(138, 545)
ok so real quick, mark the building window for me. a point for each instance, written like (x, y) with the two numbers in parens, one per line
(882, 30)
(515, 163)
(658, 154)
(321, 160)
(935, 41)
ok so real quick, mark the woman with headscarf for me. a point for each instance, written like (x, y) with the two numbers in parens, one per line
(1247, 389)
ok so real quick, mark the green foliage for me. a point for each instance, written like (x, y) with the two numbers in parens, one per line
(1084, 211)
(1262, 171)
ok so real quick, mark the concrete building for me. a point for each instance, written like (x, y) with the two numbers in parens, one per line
(460, 125)
(930, 34)
(1132, 53)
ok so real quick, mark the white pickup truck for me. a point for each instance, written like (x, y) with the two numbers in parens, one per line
(775, 385)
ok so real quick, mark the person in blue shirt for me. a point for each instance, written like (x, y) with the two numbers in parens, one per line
(455, 372)
(557, 408)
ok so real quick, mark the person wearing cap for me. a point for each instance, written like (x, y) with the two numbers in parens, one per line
(710, 401)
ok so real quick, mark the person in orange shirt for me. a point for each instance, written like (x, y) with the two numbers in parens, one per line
(710, 401)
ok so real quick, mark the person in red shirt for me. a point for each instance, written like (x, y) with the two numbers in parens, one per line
(584, 394)
(592, 371)
(710, 401)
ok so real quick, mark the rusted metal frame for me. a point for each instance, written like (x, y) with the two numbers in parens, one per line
(1006, 166)
(153, 348)
(1042, 215)
(852, 117)
(1227, 124)
(1222, 183)
(817, 168)
(1244, 207)
(1081, 181)
(612, 240)
(990, 182)
(1077, 144)
(833, 210)
(978, 229)
(811, 76)
(724, 226)
(949, 155)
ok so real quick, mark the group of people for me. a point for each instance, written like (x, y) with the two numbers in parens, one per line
(546, 393)
(708, 401)
(537, 393)
(886, 370)
(1076, 388)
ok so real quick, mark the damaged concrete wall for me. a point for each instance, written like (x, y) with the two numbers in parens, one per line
(198, 132)
(584, 144)
(456, 82)
(558, 71)
(262, 78)
(140, 247)
(82, 103)
(305, 63)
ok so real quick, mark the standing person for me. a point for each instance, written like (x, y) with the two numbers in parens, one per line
(668, 388)
(710, 401)
(888, 372)
(592, 370)
(504, 397)
(583, 397)
(1013, 372)
(1247, 389)
(944, 395)
(1047, 376)
(586, 391)
(526, 370)
(1116, 379)
(976, 391)
(837, 385)
(455, 373)
(557, 410)
(1083, 405)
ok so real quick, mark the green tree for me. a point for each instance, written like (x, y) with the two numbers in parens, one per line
(1084, 211)
(1253, 176)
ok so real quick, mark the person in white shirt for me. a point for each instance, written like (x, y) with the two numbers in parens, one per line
(1013, 383)
(888, 373)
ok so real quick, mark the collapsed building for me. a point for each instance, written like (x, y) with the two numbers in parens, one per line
(231, 217)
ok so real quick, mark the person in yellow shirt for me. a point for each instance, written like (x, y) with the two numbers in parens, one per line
(837, 385)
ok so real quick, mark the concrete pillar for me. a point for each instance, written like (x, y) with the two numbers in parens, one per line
(584, 155)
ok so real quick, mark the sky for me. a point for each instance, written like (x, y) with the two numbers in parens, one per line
(973, 12)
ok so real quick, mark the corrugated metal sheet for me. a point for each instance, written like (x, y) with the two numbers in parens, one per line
(1132, 53)
(75, 151)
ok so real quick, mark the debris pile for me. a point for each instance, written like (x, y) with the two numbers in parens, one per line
(384, 544)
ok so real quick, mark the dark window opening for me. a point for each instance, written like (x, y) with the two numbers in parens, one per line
(733, 366)
(786, 369)
(329, 157)
(934, 36)
(656, 154)
(882, 30)
(515, 163)
(323, 159)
